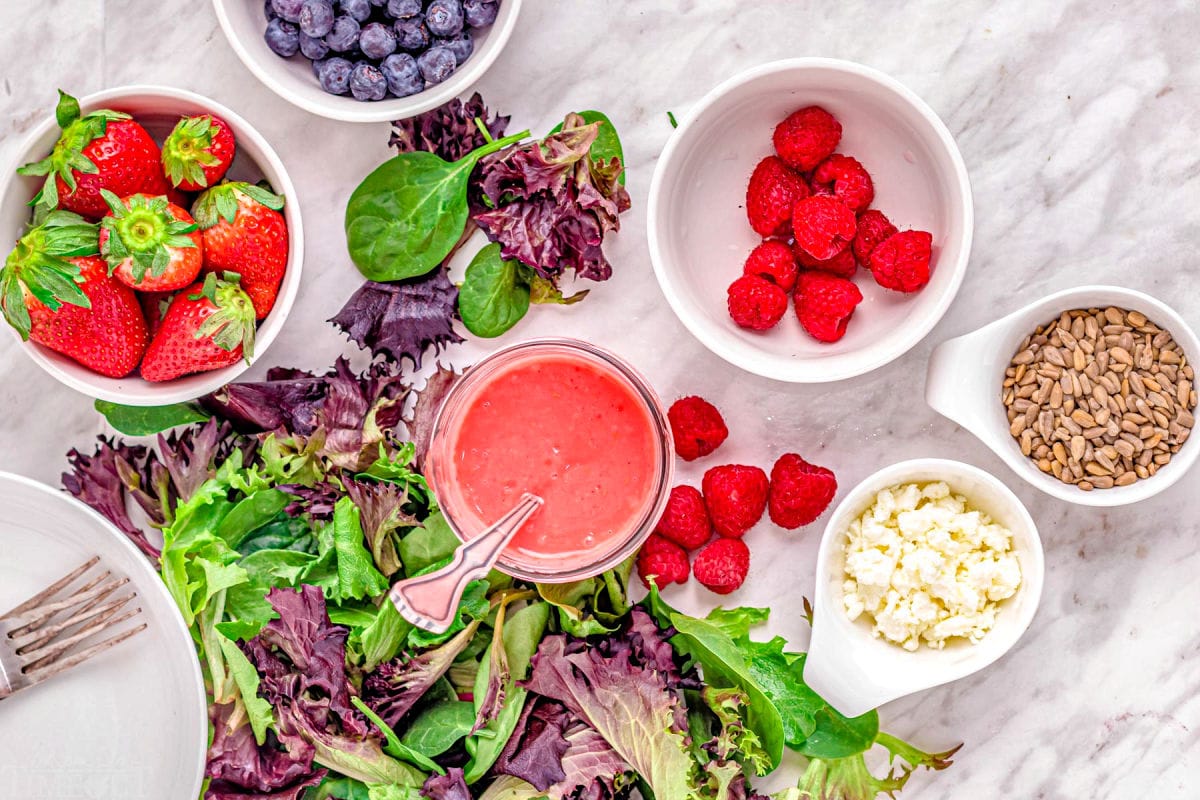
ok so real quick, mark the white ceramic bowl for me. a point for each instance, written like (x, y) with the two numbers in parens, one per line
(699, 237)
(966, 374)
(855, 671)
(293, 80)
(158, 108)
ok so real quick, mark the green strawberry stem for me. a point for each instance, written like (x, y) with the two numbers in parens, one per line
(232, 324)
(144, 229)
(220, 201)
(185, 152)
(67, 156)
(39, 265)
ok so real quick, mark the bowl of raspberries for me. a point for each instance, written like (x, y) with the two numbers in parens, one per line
(368, 60)
(157, 245)
(810, 220)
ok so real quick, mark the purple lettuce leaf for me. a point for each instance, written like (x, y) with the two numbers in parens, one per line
(593, 770)
(395, 687)
(535, 751)
(239, 768)
(425, 411)
(358, 412)
(287, 400)
(191, 455)
(317, 501)
(103, 480)
(402, 319)
(450, 786)
(381, 510)
(448, 131)
(549, 205)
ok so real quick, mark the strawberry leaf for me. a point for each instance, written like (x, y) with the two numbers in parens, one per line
(67, 110)
(39, 264)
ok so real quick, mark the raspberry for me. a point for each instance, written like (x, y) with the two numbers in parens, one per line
(901, 261)
(756, 303)
(722, 565)
(800, 492)
(823, 226)
(685, 519)
(772, 193)
(873, 228)
(824, 304)
(736, 497)
(774, 261)
(696, 427)
(663, 560)
(846, 179)
(807, 137)
(842, 265)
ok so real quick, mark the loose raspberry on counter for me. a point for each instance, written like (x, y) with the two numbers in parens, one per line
(771, 195)
(756, 303)
(736, 497)
(722, 565)
(846, 179)
(873, 228)
(823, 226)
(773, 260)
(696, 427)
(901, 261)
(843, 264)
(685, 519)
(800, 492)
(807, 137)
(663, 560)
(824, 304)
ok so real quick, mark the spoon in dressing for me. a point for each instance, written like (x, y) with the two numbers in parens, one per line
(430, 602)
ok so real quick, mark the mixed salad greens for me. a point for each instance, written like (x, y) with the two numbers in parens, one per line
(287, 507)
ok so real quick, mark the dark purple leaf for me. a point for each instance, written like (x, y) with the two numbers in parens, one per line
(358, 412)
(191, 456)
(287, 400)
(240, 768)
(395, 687)
(535, 750)
(450, 786)
(103, 479)
(316, 501)
(381, 509)
(401, 319)
(449, 130)
(429, 402)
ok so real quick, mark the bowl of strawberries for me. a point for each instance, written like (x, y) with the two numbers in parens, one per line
(810, 220)
(157, 245)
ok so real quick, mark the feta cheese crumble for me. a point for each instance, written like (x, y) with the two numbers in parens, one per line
(924, 566)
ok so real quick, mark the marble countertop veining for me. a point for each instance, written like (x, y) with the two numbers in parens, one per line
(1078, 122)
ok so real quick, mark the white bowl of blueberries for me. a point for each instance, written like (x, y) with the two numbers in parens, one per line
(368, 60)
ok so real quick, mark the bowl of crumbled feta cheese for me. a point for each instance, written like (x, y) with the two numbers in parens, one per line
(928, 571)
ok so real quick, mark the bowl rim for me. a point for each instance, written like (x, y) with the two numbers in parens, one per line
(169, 391)
(351, 110)
(798, 371)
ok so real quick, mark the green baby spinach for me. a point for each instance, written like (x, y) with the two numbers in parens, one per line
(147, 420)
(494, 295)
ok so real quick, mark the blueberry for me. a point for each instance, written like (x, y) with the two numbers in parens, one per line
(334, 74)
(436, 64)
(461, 46)
(377, 41)
(367, 82)
(403, 75)
(379, 3)
(411, 33)
(288, 9)
(403, 9)
(282, 37)
(268, 10)
(316, 18)
(344, 34)
(444, 17)
(480, 12)
(359, 9)
(312, 48)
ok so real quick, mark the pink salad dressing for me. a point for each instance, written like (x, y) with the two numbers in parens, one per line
(568, 429)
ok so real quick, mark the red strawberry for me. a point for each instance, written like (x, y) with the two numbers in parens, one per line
(771, 195)
(245, 233)
(100, 150)
(208, 326)
(55, 291)
(154, 308)
(198, 152)
(150, 243)
(159, 185)
(824, 304)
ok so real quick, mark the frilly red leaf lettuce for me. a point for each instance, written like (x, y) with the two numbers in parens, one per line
(448, 130)
(429, 402)
(103, 479)
(450, 786)
(239, 769)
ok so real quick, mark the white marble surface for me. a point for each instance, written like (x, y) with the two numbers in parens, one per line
(1078, 122)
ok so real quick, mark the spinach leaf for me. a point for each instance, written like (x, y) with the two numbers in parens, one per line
(437, 728)
(147, 420)
(494, 295)
(339, 788)
(251, 514)
(407, 215)
(392, 744)
(427, 545)
(382, 639)
(473, 605)
(607, 145)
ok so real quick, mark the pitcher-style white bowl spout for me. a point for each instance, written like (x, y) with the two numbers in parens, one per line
(856, 671)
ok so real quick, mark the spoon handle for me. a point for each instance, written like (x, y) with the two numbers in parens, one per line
(430, 602)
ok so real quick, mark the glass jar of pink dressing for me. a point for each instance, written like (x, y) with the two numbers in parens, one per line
(571, 423)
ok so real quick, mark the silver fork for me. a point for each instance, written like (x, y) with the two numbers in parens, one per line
(53, 630)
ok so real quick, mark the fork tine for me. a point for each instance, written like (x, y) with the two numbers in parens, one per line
(43, 613)
(36, 676)
(90, 584)
(47, 654)
(28, 641)
(50, 590)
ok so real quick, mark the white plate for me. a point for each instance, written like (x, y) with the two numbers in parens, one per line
(131, 724)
